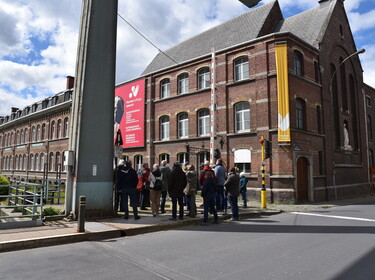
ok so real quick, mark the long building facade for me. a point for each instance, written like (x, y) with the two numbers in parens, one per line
(327, 153)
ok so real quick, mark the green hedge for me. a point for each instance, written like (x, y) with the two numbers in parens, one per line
(4, 181)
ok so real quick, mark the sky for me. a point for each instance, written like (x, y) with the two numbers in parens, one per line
(38, 38)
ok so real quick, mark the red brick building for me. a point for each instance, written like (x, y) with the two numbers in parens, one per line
(319, 162)
(331, 117)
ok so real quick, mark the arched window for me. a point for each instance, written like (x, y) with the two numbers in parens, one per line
(242, 117)
(59, 128)
(203, 157)
(53, 127)
(31, 162)
(204, 80)
(344, 94)
(22, 137)
(183, 83)
(300, 113)
(335, 109)
(26, 140)
(43, 131)
(183, 125)
(66, 127)
(33, 134)
(353, 108)
(12, 138)
(165, 88)
(38, 133)
(18, 140)
(51, 162)
(298, 63)
(17, 163)
(241, 69)
(42, 162)
(24, 162)
(58, 162)
(204, 122)
(371, 158)
(182, 158)
(37, 162)
(164, 157)
(164, 128)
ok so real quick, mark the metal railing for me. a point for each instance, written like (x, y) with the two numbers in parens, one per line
(23, 202)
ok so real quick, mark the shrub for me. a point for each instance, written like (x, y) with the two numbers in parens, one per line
(4, 181)
(50, 211)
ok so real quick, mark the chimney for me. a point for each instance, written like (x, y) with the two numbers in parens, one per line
(69, 82)
(14, 109)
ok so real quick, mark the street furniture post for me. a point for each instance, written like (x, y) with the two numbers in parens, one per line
(81, 213)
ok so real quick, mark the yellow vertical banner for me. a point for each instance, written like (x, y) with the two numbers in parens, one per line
(281, 51)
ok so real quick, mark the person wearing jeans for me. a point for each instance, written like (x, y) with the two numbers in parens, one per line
(208, 194)
(232, 186)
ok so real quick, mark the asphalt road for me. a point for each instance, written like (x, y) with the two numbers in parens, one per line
(336, 243)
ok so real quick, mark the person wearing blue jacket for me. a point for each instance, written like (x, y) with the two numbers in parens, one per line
(243, 189)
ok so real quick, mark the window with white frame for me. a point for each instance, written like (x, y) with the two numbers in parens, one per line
(204, 122)
(242, 160)
(53, 127)
(298, 63)
(242, 117)
(59, 128)
(138, 161)
(183, 83)
(164, 128)
(36, 162)
(31, 162)
(203, 157)
(164, 157)
(51, 162)
(38, 133)
(33, 136)
(300, 113)
(42, 161)
(241, 69)
(204, 79)
(44, 131)
(182, 158)
(183, 125)
(66, 127)
(165, 88)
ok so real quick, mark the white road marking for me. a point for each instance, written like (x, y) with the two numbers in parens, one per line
(334, 217)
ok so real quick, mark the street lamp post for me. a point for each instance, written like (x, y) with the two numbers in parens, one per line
(331, 93)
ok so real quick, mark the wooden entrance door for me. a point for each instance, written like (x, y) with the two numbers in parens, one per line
(302, 180)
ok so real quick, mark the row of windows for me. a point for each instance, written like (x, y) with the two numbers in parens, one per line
(242, 122)
(241, 72)
(243, 165)
(36, 162)
(58, 130)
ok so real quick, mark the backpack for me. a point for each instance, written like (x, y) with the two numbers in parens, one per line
(158, 185)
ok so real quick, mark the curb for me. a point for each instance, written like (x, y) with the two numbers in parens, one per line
(116, 233)
(58, 240)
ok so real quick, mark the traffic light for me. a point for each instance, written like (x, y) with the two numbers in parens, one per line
(268, 149)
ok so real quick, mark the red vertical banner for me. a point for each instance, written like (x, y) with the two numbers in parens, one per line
(129, 114)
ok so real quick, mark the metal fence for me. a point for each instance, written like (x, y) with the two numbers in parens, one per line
(25, 202)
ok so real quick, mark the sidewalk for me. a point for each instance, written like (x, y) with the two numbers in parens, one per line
(63, 232)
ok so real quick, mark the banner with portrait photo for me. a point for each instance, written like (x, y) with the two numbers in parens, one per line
(129, 114)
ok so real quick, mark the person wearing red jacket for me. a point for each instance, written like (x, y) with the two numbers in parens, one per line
(206, 168)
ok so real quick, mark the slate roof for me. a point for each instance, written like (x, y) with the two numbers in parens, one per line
(230, 33)
(309, 26)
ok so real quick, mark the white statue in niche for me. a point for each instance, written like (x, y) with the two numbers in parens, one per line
(346, 138)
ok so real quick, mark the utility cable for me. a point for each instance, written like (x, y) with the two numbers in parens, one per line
(144, 37)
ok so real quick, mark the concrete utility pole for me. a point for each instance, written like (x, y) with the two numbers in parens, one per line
(91, 127)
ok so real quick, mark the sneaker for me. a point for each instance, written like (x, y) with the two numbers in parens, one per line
(137, 217)
(163, 211)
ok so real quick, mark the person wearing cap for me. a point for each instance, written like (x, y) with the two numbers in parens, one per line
(176, 185)
(127, 180)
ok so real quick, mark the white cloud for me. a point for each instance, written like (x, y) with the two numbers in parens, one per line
(368, 64)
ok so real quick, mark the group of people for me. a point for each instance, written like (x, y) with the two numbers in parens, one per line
(149, 188)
